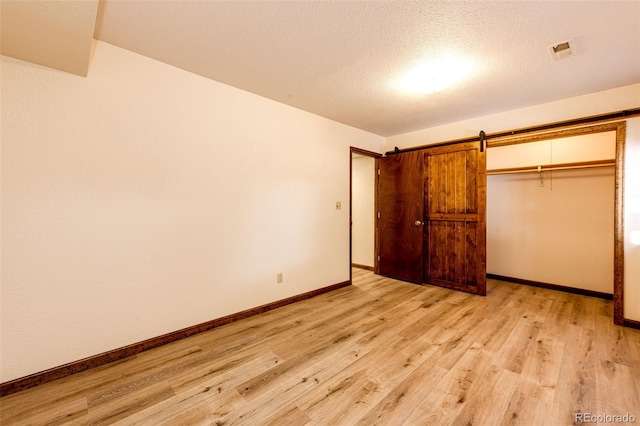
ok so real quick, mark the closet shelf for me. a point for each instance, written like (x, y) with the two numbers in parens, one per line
(550, 167)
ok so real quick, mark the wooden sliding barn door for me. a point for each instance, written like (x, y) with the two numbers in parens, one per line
(432, 217)
(455, 220)
(400, 221)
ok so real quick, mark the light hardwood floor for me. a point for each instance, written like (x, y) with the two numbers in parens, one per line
(378, 352)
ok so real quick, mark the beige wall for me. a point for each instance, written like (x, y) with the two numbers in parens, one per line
(581, 106)
(144, 199)
(560, 233)
(363, 193)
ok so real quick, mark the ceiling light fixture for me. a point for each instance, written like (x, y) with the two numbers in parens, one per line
(435, 75)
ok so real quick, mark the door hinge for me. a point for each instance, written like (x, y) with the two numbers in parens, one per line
(378, 215)
(378, 258)
(378, 172)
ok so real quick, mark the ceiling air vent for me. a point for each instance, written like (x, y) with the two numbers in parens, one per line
(562, 50)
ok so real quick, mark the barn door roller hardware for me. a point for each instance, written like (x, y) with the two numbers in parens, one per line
(624, 114)
(483, 136)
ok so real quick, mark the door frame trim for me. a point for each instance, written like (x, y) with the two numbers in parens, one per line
(376, 242)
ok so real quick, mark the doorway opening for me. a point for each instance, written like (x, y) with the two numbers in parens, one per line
(363, 207)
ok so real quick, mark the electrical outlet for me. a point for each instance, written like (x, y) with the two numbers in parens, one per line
(338, 205)
(280, 277)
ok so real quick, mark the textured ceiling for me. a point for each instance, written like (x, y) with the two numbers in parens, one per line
(341, 59)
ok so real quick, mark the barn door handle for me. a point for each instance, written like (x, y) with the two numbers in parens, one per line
(418, 223)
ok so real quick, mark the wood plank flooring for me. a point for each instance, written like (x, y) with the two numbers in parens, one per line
(378, 352)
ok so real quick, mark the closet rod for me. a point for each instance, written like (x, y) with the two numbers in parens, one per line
(550, 167)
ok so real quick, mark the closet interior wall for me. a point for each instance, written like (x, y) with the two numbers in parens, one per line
(553, 226)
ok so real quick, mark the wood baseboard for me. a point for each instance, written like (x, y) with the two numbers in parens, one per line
(631, 323)
(566, 289)
(357, 265)
(17, 385)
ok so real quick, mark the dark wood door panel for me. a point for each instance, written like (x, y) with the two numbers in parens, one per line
(401, 206)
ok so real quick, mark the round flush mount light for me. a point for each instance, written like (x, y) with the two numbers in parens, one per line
(435, 75)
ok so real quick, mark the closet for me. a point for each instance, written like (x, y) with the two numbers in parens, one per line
(550, 212)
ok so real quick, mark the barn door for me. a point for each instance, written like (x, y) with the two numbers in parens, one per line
(401, 201)
(455, 228)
